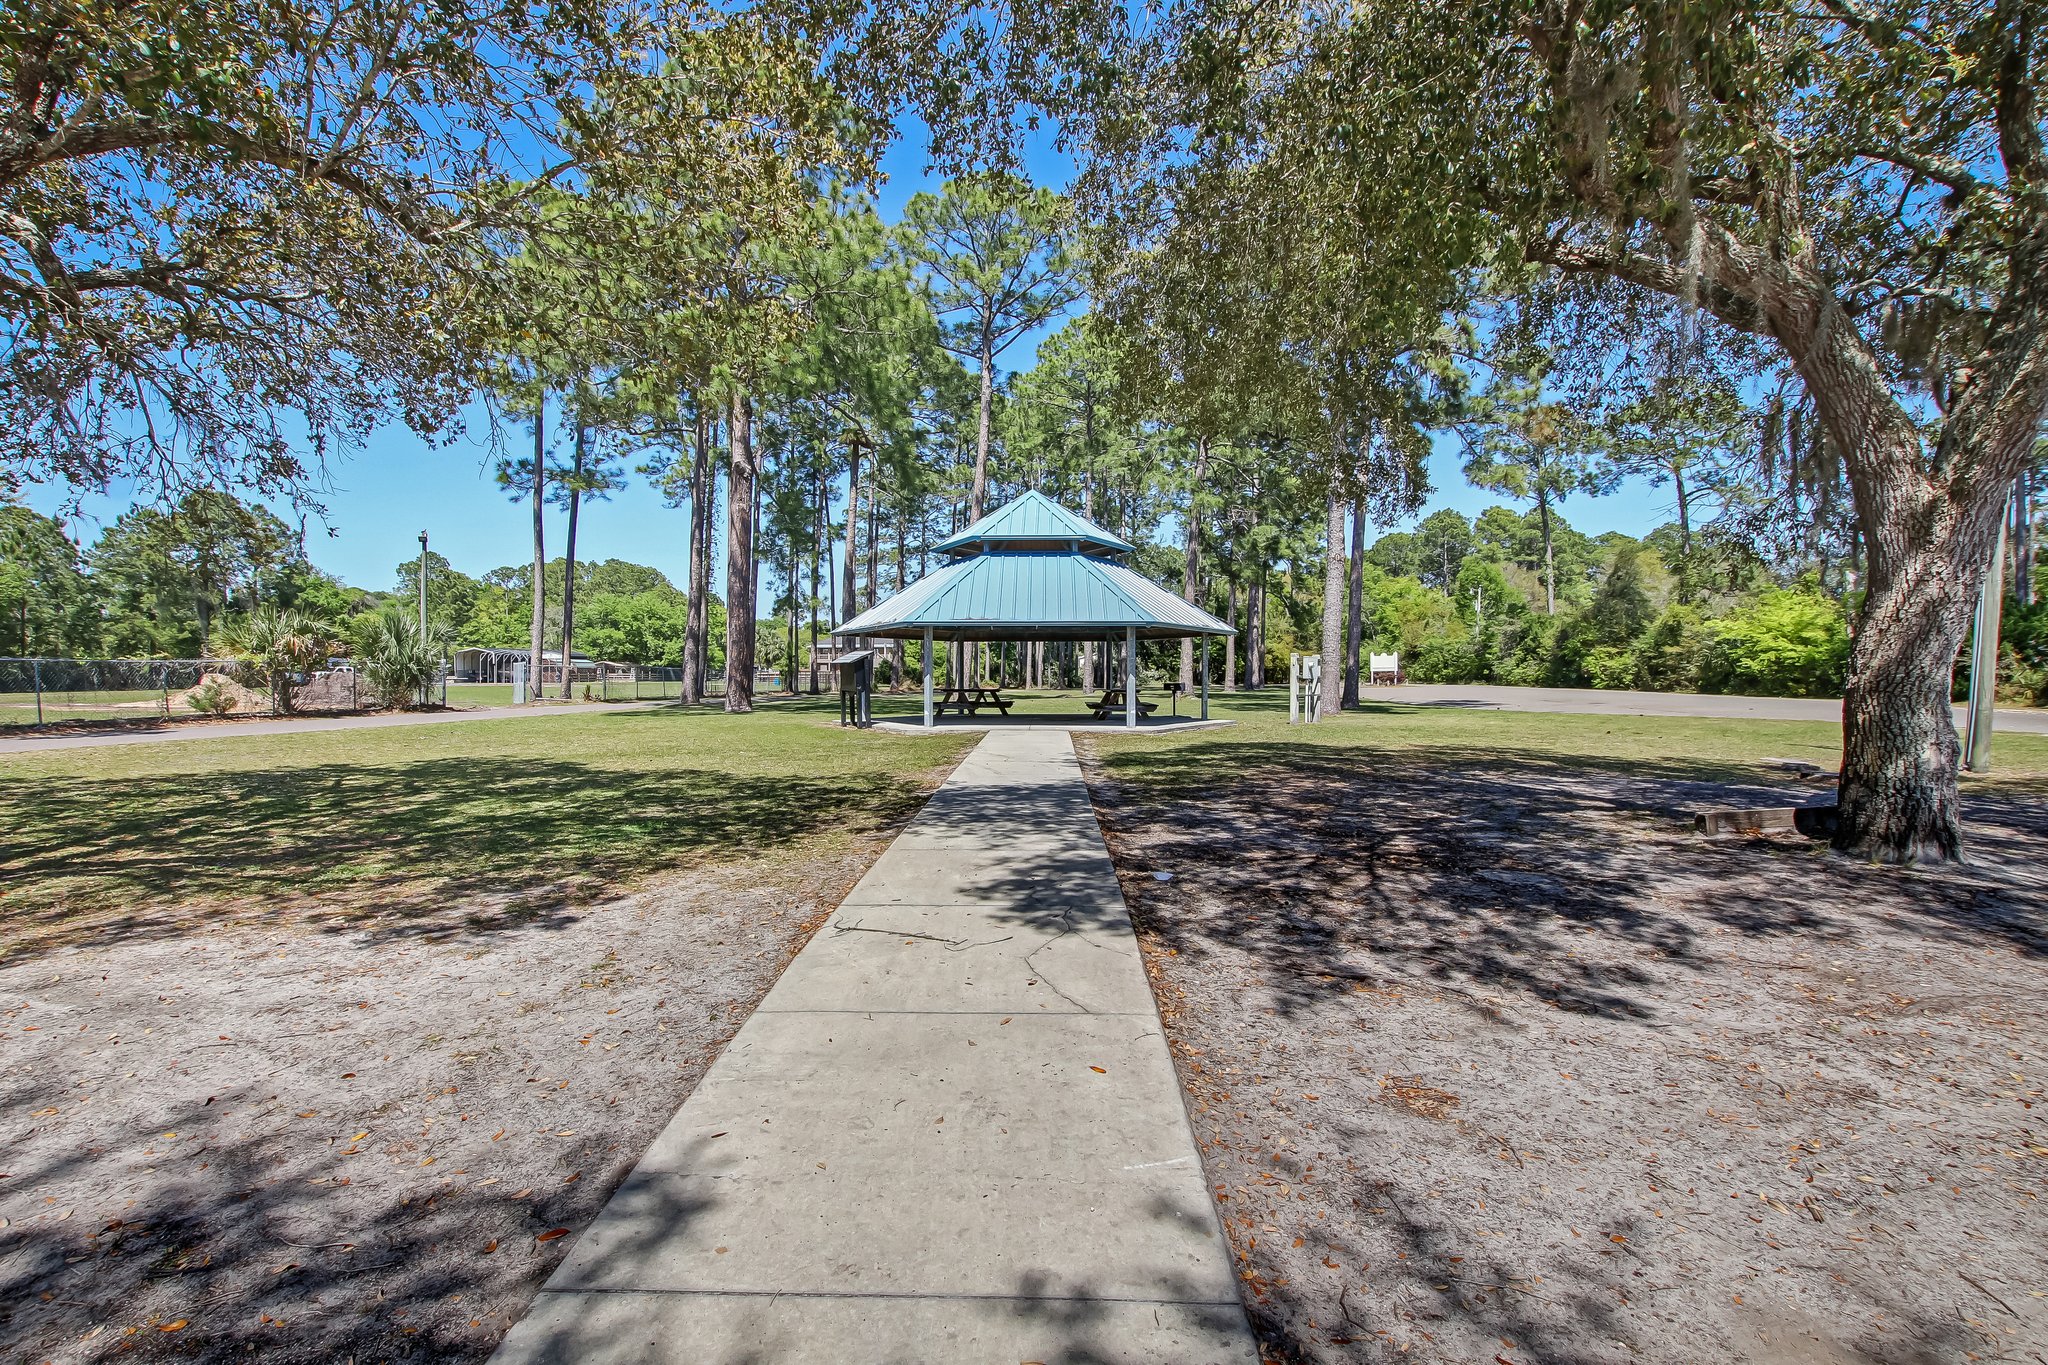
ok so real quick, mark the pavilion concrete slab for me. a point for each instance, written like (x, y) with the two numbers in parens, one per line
(952, 1131)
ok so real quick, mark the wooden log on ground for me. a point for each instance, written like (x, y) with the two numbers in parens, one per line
(1815, 822)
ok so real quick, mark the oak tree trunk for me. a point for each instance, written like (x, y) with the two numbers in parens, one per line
(739, 558)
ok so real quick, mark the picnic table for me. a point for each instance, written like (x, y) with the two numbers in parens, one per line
(1111, 704)
(970, 701)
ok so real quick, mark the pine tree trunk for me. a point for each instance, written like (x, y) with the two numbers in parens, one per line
(1549, 558)
(2022, 539)
(739, 558)
(1354, 607)
(1191, 548)
(850, 595)
(1230, 641)
(539, 623)
(569, 558)
(697, 624)
(979, 502)
(896, 664)
(818, 542)
(1255, 633)
(1330, 692)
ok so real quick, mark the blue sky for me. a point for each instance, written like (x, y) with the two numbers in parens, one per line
(384, 494)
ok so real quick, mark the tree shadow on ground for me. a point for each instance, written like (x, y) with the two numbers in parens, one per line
(1647, 1019)
(1503, 870)
(433, 847)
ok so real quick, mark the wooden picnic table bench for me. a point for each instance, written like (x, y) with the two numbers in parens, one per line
(970, 701)
(1111, 704)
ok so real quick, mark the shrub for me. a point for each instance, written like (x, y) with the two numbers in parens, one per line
(214, 698)
(1669, 655)
(1440, 661)
(395, 660)
(1785, 644)
(1611, 666)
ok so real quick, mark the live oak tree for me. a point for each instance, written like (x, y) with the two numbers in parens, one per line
(218, 218)
(239, 233)
(1863, 183)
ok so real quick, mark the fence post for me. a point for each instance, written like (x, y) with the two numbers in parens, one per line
(36, 667)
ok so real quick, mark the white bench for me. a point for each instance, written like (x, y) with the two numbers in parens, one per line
(1383, 665)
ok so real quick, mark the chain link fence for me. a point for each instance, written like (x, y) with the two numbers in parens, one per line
(43, 692)
(53, 691)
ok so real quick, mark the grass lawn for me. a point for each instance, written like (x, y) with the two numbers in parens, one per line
(312, 1042)
(431, 829)
(1491, 1058)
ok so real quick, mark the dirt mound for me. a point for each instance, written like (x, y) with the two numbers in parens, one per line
(330, 692)
(248, 701)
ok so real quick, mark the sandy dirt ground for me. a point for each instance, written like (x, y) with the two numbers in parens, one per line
(325, 1145)
(1503, 1064)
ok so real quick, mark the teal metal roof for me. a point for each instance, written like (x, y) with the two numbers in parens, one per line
(1034, 596)
(1033, 522)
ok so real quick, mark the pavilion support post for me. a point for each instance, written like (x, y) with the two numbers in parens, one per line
(927, 677)
(1130, 677)
(1205, 677)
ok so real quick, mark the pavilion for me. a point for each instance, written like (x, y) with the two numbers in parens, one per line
(1032, 570)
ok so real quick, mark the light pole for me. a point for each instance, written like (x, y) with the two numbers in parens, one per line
(425, 688)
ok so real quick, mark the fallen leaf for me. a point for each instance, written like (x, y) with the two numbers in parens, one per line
(574, 1176)
(490, 1246)
(1098, 1071)
(521, 1194)
(177, 1326)
(551, 1234)
(310, 1114)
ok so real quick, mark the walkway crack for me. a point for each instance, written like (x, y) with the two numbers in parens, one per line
(1067, 919)
(951, 945)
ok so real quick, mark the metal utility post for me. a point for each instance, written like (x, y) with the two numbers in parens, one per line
(424, 698)
(1984, 662)
(1130, 677)
(1205, 677)
(927, 677)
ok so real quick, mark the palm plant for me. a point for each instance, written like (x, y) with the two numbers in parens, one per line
(272, 645)
(396, 659)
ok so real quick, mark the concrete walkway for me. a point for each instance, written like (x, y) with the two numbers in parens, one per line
(1588, 701)
(951, 1133)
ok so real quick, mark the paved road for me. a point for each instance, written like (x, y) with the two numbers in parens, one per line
(1573, 700)
(142, 734)
(951, 1133)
